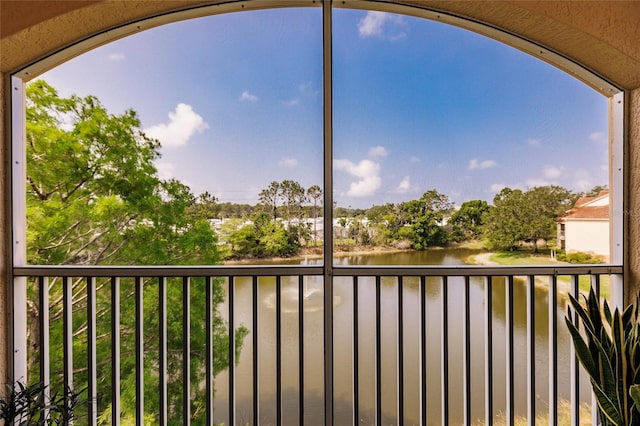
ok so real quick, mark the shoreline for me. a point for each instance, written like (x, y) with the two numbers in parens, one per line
(482, 258)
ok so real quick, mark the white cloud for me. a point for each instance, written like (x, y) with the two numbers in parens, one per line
(534, 142)
(378, 151)
(497, 187)
(550, 175)
(292, 102)
(596, 136)
(414, 159)
(369, 173)
(288, 162)
(551, 172)
(535, 182)
(248, 97)
(373, 25)
(475, 164)
(166, 170)
(308, 89)
(183, 123)
(115, 57)
(404, 186)
(583, 185)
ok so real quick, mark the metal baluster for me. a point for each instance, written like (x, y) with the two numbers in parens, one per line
(186, 351)
(209, 354)
(575, 366)
(356, 356)
(488, 351)
(139, 294)
(256, 375)
(423, 343)
(162, 350)
(400, 351)
(445, 351)
(467, 352)
(509, 349)
(531, 353)
(553, 351)
(301, 297)
(232, 352)
(67, 321)
(278, 350)
(115, 351)
(378, 355)
(45, 348)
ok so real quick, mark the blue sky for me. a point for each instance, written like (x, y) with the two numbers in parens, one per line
(236, 101)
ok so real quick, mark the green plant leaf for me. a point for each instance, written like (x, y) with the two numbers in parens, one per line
(582, 350)
(634, 392)
(582, 313)
(607, 407)
(620, 354)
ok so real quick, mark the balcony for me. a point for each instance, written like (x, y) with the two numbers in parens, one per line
(409, 345)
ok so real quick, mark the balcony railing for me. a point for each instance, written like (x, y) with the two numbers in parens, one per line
(304, 345)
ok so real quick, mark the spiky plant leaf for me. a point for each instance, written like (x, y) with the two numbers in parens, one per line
(582, 350)
(620, 361)
(607, 406)
(634, 392)
(609, 350)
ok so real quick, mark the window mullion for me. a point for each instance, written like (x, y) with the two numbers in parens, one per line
(328, 209)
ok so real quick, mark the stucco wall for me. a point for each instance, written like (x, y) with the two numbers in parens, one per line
(587, 236)
(632, 208)
(4, 273)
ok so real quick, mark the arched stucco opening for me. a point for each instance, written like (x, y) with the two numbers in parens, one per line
(585, 33)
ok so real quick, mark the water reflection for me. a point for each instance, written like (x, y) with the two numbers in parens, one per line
(344, 349)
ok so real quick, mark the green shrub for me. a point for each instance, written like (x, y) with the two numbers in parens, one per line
(578, 257)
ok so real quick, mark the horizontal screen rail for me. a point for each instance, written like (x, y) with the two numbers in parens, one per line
(295, 270)
(165, 271)
(476, 270)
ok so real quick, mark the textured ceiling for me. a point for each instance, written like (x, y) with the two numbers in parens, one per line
(604, 36)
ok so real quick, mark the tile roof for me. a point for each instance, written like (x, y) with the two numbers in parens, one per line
(581, 209)
(587, 212)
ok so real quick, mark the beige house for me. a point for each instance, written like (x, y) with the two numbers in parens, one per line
(585, 228)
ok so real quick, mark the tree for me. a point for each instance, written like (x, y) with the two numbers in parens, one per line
(466, 222)
(264, 237)
(204, 206)
(525, 216)
(269, 197)
(377, 213)
(94, 197)
(595, 191)
(545, 204)
(425, 217)
(503, 227)
(314, 193)
(294, 196)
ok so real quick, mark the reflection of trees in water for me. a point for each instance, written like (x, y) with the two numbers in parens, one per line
(343, 288)
(313, 411)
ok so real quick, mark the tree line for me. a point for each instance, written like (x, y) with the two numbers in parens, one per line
(276, 226)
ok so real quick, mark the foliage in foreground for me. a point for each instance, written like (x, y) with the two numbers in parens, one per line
(610, 353)
(94, 197)
(30, 405)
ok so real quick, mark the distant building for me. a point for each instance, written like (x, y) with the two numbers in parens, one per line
(585, 228)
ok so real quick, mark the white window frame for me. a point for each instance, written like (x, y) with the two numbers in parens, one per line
(18, 292)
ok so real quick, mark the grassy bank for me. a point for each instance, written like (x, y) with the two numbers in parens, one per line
(564, 416)
(529, 258)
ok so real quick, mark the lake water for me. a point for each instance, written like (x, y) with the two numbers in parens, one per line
(343, 347)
